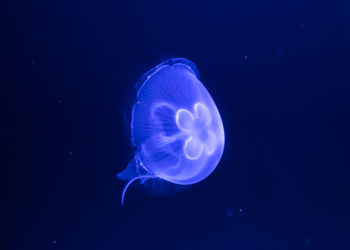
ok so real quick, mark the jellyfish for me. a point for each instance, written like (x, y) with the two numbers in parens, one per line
(176, 129)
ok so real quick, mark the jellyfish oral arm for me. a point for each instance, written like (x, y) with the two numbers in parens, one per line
(131, 175)
(129, 172)
(142, 177)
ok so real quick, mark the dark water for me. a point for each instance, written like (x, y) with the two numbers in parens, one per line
(279, 73)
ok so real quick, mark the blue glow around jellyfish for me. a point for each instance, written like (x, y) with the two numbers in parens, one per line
(176, 128)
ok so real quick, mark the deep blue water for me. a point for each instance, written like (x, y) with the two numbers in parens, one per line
(278, 72)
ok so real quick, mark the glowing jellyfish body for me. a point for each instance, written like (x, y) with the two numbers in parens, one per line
(176, 127)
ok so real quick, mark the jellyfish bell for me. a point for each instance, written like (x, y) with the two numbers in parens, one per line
(176, 128)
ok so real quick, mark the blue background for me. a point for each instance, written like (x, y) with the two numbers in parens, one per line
(278, 72)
